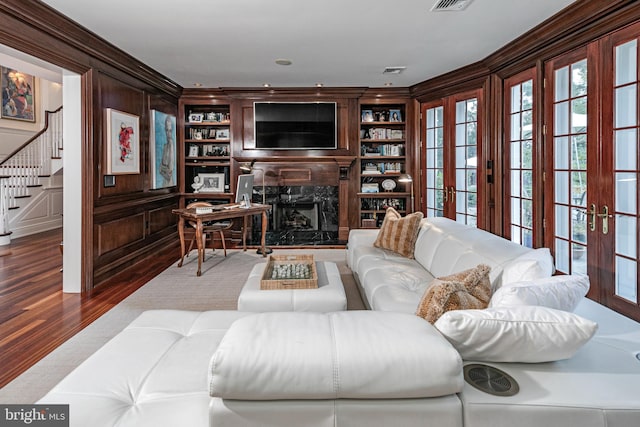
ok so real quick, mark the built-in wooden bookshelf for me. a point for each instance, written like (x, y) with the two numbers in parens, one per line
(382, 161)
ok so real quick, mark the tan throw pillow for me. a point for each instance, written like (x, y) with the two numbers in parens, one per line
(469, 289)
(398, 234)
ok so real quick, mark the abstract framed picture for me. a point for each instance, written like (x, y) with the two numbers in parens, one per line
(123, 142)
(162, 142)
(18, 95)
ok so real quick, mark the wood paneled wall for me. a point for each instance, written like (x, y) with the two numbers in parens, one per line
(128, 223)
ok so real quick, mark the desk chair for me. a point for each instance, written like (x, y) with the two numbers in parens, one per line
(210, 229)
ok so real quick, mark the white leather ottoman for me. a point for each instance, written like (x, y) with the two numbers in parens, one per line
(328, 297)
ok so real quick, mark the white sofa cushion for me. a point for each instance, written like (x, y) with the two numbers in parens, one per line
(445, 247)
(352, 355)
(560, 292)
(515, 334)
(534, 264)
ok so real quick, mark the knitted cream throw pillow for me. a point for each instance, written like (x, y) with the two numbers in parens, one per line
(398, 234)
(468, 289)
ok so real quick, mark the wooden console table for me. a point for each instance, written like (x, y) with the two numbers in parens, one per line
(219, 212)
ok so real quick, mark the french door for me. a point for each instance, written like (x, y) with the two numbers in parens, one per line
(452, 135)
(593, 165)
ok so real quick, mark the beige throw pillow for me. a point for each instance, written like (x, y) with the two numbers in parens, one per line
(469, 289)
(398, 234)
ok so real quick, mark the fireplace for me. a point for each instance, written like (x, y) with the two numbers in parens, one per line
(302, 215)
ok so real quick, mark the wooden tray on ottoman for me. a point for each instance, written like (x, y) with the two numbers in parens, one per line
(283, 279)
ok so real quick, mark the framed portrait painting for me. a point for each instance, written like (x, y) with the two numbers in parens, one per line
(123, 142)
(18, 95)
(162, 141)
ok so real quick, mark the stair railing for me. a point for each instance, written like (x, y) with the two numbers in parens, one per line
(25, 165)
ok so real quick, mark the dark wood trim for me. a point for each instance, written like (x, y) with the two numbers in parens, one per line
(87, 182)
(461, 80)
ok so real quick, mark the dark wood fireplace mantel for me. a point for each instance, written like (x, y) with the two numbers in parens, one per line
(308, 170)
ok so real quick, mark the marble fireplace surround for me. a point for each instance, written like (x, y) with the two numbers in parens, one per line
(295, 172)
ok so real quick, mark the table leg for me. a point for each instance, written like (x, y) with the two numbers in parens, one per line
(200, 245)
(181, 234)
(263, 237)
(244, 233)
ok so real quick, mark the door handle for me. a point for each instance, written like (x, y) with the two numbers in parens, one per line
(446, 195)
(592, 217)
(605, 219)
(452, 190)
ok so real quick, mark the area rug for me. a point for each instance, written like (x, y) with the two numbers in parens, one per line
(175, 288)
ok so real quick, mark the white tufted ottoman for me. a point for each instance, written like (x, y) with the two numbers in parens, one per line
(328, 297)
(153, 373)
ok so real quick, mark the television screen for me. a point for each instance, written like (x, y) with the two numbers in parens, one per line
(295, 125)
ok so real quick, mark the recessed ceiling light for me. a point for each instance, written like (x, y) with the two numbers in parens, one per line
(319, 85)
(283, 62)
(197, 84)
(266, 85)
(388, 84)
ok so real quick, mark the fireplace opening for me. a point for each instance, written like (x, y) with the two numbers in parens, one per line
(300, 215)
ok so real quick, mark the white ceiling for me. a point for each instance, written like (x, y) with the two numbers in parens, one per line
(234, 43)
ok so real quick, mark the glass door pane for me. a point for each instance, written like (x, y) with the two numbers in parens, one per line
(434, 159)
(569, 109)
(624, 220)
(520, 160)
(466, 161)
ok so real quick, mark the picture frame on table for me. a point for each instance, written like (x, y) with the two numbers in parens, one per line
(123, 142)
(395, 115)
(212, 182)
(162, 147)
(18, 95)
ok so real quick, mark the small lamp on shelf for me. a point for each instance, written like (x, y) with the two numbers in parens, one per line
(405, 177)
(249, 168)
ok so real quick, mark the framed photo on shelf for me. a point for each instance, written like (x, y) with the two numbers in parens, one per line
(196, 117)
(162, 142)
(370, 187)
(18, 95)
(367, 115)
(222, 134)
(123, 142)
(193, 150)
(212, 182)
(395, 116)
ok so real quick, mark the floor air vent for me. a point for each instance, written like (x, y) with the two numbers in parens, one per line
(490, 380)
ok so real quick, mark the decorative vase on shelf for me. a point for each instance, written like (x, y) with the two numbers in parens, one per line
(197, 184)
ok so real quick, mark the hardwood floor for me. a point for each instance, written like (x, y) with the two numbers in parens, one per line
(35, 315)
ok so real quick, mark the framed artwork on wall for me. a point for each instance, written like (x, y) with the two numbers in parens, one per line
(162, 142)
(123, 142)
(18, 95)
(212, 182)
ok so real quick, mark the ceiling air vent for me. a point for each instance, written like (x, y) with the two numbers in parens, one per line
(490, 380)
(450, 5)
(393, 70)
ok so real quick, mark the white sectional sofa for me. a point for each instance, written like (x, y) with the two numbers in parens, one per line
(596, 386)
(371, 368)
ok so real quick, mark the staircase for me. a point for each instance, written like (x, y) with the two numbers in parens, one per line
(27, 182)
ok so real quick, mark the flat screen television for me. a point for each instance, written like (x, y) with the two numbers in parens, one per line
(295, 125)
